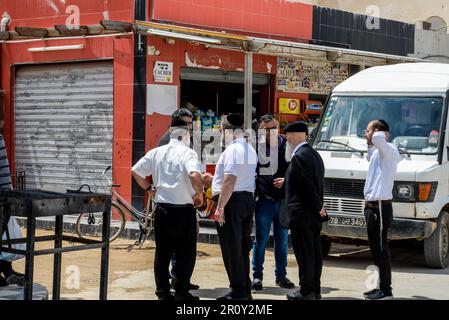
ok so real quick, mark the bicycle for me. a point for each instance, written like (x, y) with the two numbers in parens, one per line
(89, 224)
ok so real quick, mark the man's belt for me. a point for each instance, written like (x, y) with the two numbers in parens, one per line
(375, 204)
(170, 205)
(235, 193)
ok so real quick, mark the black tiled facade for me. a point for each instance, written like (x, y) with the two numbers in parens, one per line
(348, 30)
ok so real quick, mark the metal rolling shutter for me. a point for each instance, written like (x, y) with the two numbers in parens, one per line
(63, 123)
(221, 76)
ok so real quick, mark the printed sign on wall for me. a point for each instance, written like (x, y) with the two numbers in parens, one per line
(163, 71)
(295, 75)
(289, 106)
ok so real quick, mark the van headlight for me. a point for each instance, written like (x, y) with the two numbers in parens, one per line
(414, 191)
(405, 191)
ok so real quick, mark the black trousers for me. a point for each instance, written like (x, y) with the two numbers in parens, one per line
(378, 242)
(175, 233)
(306, 244)
(235, 242)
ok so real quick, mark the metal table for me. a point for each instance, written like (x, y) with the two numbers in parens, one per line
(32, 204)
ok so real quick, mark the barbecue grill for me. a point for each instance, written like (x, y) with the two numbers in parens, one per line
(33, 204)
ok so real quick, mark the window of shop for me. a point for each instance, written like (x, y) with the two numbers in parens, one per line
(210, 94)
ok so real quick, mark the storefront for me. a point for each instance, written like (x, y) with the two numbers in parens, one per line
(216, 92)
(76, 103)
(68, 103)
(207, 73)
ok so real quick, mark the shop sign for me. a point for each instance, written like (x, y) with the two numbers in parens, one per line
(163, 71)
(289, 106)
(299, 76)
(314, 106)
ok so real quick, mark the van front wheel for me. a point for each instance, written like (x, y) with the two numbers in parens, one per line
(436, 247)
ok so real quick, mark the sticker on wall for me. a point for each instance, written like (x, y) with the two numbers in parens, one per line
(289, 106)
(162, 99)
(163, 71)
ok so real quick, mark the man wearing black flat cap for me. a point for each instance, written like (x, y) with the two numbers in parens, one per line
(302, 209)
(233, 188)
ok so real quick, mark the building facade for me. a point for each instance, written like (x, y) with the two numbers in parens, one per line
(106, 99)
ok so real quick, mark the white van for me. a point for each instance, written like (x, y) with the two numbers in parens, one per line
(413, 99)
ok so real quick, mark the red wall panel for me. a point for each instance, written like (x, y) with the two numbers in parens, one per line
(184, 54)
(46, 13)
(265, 17)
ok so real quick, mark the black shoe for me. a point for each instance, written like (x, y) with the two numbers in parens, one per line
(233, 296)
(3, 282)
(380, 295)
(193, 286)
(257, 285)
(297, 295)
(187, 296)
(318, 296)
(165, 296)
(285, 283)
(15, 278)
(370, 292)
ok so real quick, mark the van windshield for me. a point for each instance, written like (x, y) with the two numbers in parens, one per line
(414, 122)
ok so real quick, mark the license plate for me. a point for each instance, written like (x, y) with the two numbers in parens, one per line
(347, 221)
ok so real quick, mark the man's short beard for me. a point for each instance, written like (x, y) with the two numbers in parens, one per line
(288, 151)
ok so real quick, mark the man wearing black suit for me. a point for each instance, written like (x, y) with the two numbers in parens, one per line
(302, 209)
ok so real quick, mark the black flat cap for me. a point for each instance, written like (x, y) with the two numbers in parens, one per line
(235, 119)
(178, 123)
(296, 126)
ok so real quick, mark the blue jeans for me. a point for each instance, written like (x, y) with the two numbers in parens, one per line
(267, 212)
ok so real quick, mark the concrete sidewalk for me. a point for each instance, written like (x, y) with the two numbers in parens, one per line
(131, 273)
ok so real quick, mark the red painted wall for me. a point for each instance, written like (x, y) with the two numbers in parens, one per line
(45, 13)
(40, 13)
(268, 18)
(265, 17)
(184, 54)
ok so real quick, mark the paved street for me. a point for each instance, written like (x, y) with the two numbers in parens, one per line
(344, 274)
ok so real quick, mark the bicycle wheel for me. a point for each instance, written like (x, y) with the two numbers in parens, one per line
(90, 225)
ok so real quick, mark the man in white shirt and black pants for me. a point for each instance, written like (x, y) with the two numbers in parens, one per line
(233, 187)
(177, 178)
(384, 158)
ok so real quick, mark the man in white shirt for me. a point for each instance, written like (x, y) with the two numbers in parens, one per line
(233, 187)
(177, 178)
(384, 158)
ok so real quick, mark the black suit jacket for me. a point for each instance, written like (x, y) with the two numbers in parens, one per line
(304, 188)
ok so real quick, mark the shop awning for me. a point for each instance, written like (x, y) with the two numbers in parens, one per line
(264, 46)
(271, 47)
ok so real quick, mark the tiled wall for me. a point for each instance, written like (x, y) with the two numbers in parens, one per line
(340, 28)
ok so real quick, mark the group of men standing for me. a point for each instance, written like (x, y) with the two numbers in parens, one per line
(285, 191)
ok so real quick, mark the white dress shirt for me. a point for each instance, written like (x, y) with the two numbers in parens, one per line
(239, 159)
(170, 166)
(384, 158)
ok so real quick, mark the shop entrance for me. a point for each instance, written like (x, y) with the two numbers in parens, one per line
(214, 93)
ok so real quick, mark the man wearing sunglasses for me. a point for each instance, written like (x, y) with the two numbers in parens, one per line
(272, 164)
